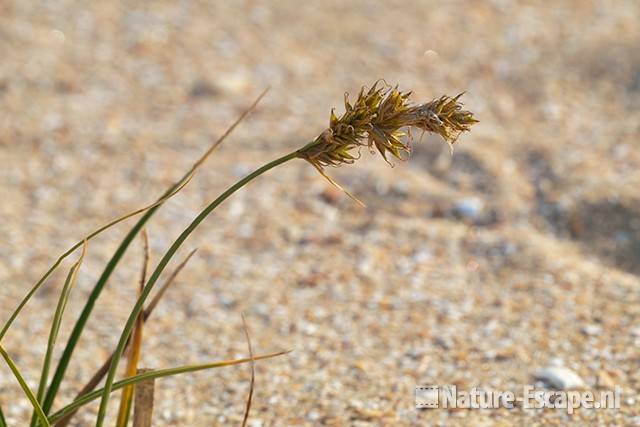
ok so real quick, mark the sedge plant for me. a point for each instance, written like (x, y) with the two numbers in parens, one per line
(378, 120)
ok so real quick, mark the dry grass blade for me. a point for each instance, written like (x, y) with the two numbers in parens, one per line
(167, 283)
(25, 388)
(143, 406)
(253, 373)
(155, 374)
(102, 371)
(145, 259)
(244, 114)
(339, 187)
(136, 347)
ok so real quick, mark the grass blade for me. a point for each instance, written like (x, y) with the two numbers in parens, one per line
(124, 337)
(154, 374)
(100, 373)
(3, 422)
(253, 373)
(69, 283)
(88, 237)
(136, 346)
(27, 391)
(63, 364)
(156, 299)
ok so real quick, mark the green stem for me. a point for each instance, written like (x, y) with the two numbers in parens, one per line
(159, 269)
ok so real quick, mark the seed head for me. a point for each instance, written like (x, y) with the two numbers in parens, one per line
(379, 118)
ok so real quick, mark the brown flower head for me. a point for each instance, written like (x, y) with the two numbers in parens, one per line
(380, 118)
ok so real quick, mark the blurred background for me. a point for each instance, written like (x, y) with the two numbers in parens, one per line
(520, 251)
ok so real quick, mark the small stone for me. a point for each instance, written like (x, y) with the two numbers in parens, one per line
(604, 381)
(559, 378)
(368, 414)
(469, 208)
(202, 89)
(556, 361)
(314, 416)
(591, 330)
(233, 84)
(331, 195)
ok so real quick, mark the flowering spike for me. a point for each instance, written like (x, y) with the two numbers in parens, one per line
(376, 119)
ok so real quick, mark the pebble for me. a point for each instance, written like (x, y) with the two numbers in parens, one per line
(591, 330)
(559, 378)
(604, 381)
(232, 83)
(470, 208)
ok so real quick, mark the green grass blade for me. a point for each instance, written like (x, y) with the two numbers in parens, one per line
(3, 422)
(102, 410)
(27, 391)
(54, 418)
(65, 359)
(55, 327)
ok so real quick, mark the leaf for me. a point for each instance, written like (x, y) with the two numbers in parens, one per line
(69, 283)
(253, 373)
(3, 422)
(152, 375)
(25, 388)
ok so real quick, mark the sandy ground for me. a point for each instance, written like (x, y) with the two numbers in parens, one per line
(519, 252)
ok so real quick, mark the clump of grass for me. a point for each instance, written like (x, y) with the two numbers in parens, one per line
(43, 407)
(378, 120)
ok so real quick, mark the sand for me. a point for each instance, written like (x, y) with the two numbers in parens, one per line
(519, 252)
